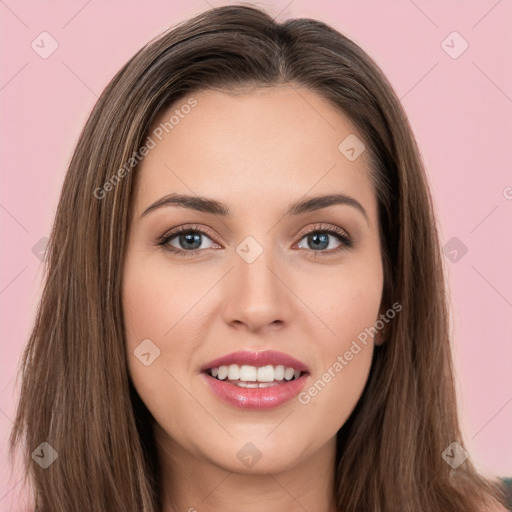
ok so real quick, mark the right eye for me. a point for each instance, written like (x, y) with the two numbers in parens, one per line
(188, 239)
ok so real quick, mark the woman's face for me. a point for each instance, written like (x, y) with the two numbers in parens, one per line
(252, 276)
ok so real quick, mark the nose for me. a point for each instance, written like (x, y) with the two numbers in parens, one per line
(258, 297)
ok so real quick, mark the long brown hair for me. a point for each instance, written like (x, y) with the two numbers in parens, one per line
(76, 393)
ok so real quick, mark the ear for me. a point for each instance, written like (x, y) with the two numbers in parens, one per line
(379, 339)
(381, 336)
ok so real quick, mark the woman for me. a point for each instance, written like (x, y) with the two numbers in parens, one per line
(245, 306)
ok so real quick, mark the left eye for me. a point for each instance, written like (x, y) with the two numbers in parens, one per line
(319, 240)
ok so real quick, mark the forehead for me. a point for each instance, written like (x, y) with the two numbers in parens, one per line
(257, 147)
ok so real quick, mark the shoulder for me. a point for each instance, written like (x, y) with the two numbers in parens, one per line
(506, 484)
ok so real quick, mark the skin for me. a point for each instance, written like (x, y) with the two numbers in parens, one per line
(257, 151)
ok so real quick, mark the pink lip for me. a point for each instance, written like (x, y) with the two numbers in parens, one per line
(254, 358)
(256, 398)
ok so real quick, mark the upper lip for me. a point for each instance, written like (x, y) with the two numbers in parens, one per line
(254, 358)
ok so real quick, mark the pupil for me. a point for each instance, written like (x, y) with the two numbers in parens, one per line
(191, 238)
(316, 237)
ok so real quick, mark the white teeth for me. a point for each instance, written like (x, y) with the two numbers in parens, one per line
(266, 373)
(288, 373)
(233, 372)
(254, 384)
(279, 372)
(251, 374)
(223, 372)
(248, 373)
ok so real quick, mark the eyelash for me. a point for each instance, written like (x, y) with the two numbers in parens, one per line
(342, 236)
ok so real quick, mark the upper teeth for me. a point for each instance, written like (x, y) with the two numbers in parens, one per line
(249, 373)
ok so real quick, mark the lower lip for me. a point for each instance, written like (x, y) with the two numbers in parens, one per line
(256, 398)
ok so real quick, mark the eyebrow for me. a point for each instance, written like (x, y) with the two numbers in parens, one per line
(206, 205)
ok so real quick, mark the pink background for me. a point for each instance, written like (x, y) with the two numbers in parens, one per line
(460, 110)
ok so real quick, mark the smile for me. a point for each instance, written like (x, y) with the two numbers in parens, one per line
(255, 380)
(254, 377)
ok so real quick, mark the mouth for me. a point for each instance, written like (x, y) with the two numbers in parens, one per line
(255, 380)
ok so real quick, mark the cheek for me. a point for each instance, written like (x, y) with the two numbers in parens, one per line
(150, 310)
(345, 302)
(155, 304)
(339, 380)
(157, 299)
(349, 307)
